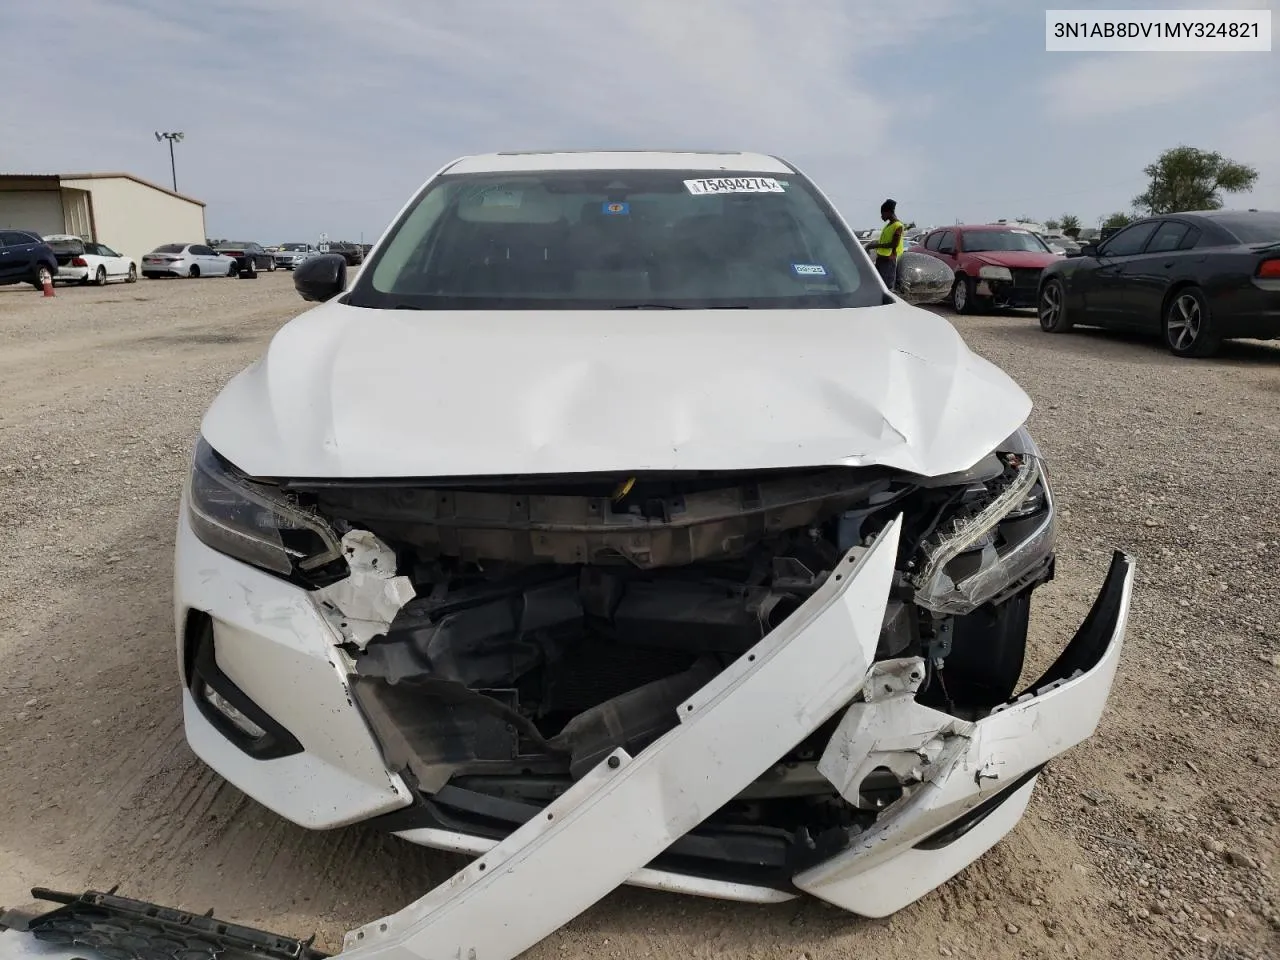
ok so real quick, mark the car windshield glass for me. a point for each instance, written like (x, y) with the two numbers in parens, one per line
(980, 241)
(617, 238)
(1253, 227)
(293, 246)
(170, 248)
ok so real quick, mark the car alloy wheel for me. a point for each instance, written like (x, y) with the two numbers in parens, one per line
(1052, 308)
(133, 274)
(1188, 328)
(960, 295)
(101, 278)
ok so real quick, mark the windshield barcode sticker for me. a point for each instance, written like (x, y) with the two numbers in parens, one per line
(734, 185)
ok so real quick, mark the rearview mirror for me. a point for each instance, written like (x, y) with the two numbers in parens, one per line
(1089, 250)
(321, 278)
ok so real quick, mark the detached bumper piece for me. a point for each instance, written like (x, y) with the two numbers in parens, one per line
(117, 928)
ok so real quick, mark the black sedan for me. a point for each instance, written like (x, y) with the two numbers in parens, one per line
(1195, 278)
(353, 253)
(244, 252)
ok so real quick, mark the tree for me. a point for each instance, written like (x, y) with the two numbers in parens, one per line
(1117, 220)
(1070, 225)
(1052, 225)
(1185, 178)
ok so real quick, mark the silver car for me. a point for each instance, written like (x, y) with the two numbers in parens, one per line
(289, 255)
(186, 260)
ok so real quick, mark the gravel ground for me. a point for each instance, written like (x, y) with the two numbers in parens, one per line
(1157, 838)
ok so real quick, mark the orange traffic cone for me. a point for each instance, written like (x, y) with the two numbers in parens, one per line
(46, 281)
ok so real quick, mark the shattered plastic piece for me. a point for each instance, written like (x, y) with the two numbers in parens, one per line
(122, 929)
(372, 595)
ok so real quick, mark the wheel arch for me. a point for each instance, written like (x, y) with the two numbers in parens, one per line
(1174, 289)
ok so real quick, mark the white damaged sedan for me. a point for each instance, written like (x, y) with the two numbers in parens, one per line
(615, 524)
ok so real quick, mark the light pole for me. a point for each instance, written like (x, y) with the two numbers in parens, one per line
(172, 138)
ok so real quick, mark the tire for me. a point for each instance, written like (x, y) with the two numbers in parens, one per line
(271, 265)
(100, 278)
(962, 296)
(194, 272)
(132, 276)
(42, 272)
(1051, 307)
(1188, 326)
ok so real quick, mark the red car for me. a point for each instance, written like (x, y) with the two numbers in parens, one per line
(995, 265)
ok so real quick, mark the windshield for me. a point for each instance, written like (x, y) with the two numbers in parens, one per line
(614, 238)
(293, 246)
(981, 241)
(1253, 227)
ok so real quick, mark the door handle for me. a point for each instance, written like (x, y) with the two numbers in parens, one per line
(1168, 265)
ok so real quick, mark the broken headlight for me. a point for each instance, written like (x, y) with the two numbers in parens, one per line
(254, 522)
(998, 539)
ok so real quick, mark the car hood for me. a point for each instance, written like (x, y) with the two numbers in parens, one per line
(1016, 258)
(346, 392)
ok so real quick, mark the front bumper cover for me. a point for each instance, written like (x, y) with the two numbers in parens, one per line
(967, 782)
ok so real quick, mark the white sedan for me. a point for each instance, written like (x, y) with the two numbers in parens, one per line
(616, 525)
(89, 262)
(187, 260)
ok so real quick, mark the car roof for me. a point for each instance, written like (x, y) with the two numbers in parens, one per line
(516, 162)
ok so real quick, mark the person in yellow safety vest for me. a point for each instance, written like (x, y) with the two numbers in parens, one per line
(889, 247)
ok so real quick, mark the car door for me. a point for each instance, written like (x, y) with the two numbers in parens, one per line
(20, 253)
(6, 262)
(1105, 291)
(1146, 277)
(117, 266)
(947, 248)
(206, 259)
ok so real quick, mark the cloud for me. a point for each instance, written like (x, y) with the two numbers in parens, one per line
(310, 115)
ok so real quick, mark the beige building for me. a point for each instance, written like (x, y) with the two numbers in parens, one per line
(127, 213)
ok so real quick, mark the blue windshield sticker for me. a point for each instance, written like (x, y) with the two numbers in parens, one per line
(809, 269)
(616, 209)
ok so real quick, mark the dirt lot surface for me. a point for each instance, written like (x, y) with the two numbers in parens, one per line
(1158, 838)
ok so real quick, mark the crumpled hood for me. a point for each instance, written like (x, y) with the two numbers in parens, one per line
(1016, 258)
(346, 392)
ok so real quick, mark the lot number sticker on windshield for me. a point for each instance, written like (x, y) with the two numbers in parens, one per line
(734, 185)
(809, 269)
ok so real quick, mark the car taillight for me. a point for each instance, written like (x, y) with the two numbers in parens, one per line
(1270, 269)
(79, 262)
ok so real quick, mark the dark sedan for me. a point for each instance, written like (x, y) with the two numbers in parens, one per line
(1196, 279)
(244, 252)
(353, 253)
(25, 258)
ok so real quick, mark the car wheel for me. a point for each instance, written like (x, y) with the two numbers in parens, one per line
(100, 278)
(1188, 326)
(194, 273)
(133, 274)
(1052, 307)
(271, 265)
(43, 275)
(962, 298)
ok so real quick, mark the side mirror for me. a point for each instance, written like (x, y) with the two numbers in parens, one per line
(319, 279)
(1088, 250)
(923, 279)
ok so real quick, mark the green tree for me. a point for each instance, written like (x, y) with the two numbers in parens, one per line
(1185, 178)
(1070, 225)
(1052, 225)
(1117, 220)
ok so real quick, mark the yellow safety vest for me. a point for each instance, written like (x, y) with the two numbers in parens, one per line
(885, 247)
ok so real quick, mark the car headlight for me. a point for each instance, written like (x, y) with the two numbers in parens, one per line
(995, 273)
(998, 539)
(254, 522)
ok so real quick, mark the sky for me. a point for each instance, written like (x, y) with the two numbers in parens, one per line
(310, 116)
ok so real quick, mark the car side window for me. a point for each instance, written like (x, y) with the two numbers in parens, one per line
(947, 242)
(13, 238)
(1130, 240)
(106, 251)
(1190, 239)
(201, 251)
(1168, 237)
(931, 241)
